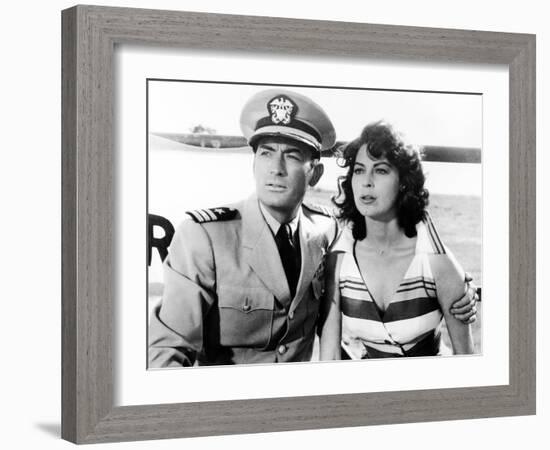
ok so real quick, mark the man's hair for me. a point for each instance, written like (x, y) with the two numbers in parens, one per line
(383, 142)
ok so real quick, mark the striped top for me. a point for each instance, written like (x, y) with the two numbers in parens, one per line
(410, 325)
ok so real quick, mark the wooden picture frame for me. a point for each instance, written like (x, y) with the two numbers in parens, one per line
(90, 34)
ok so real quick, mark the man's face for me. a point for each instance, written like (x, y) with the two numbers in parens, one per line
(283, 169)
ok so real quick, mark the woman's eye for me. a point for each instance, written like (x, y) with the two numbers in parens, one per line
(382, 171)
(357, 170)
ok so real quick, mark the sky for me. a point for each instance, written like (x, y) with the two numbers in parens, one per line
(424, 118)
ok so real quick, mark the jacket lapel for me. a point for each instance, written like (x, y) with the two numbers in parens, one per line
(312, 251)
(260, 251)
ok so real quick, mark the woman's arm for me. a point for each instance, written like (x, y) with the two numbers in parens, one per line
(449, 280)
(464, 308)
(330, 323)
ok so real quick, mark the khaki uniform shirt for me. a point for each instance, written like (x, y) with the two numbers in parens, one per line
(226, 299)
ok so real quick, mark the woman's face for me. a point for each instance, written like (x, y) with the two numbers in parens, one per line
(375, 184)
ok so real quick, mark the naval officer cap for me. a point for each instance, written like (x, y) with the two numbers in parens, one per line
(277, 112)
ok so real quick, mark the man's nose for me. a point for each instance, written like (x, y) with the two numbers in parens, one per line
(278, 166)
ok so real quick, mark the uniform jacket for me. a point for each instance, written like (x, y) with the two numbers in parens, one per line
(226, 299)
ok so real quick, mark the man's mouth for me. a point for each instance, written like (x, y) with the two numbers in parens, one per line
(275, 187)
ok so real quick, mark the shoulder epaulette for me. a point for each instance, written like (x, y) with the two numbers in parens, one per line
(319, 209)
(212, 214)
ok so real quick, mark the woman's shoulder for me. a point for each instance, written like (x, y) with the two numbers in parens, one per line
(428, 238)
(444, 264)
(344, 242)
(341, 249)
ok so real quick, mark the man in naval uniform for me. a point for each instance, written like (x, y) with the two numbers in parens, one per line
(243, 283)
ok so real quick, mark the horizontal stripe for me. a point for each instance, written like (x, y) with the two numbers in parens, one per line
(414, 293)
(355, 295)
(402, 347)
(423, 336)
(375, 353)
(354, 287)
(359, 349)
(354, 290)
(417, 280)
(358, 283)
(357, 290)
(352, 282)
(294, 123)
(415, 288)
(409, 329)
(378, 339)
(409, 309)
(411, 294)
(359, 309)
(416, 284)
(384, 347)
(428, 346)
(367, 330)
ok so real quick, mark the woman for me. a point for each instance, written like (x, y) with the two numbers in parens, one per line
(390, 280)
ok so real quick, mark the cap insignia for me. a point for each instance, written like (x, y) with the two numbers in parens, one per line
(282, 109)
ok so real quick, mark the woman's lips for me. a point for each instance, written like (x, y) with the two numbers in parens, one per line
(367, 199)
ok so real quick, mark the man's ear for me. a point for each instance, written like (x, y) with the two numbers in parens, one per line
(318, 170)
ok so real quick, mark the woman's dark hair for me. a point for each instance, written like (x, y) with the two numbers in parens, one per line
(383, 142)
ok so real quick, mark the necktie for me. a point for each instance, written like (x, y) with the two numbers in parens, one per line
(290, 256)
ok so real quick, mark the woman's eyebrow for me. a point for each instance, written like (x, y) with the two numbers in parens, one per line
(380, 163)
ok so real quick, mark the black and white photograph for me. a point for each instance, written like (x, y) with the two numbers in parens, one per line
(275, 225)
(294, 223)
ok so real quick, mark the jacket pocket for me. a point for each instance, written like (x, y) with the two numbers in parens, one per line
(246, 316)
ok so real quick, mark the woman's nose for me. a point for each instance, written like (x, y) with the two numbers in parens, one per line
(367, 181)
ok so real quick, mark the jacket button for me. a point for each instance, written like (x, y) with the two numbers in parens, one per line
(246, 308)
(282, 349)
(291, 315)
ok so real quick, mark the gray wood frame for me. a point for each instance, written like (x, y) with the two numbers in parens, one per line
(89, 36)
